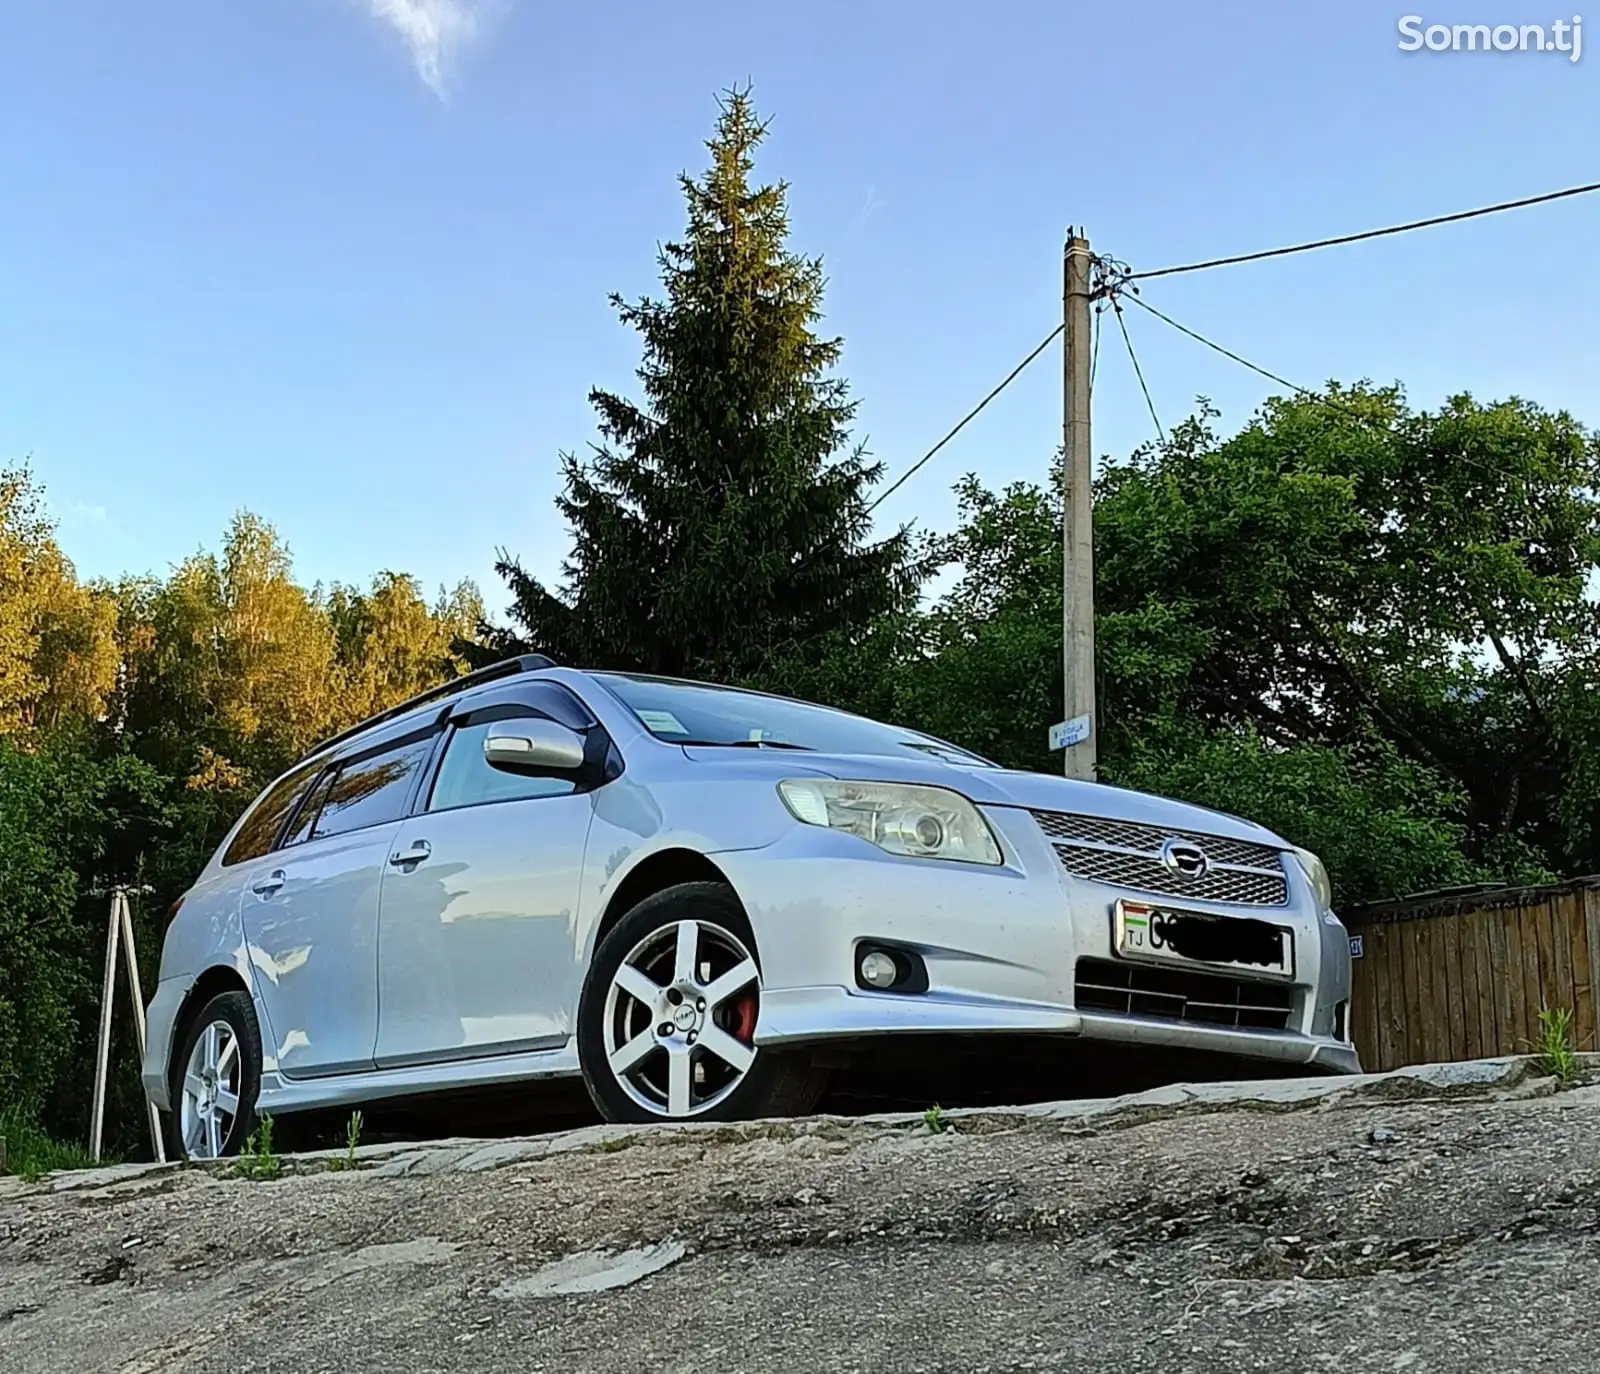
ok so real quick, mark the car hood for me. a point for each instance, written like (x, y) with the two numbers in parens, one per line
(1000, 787)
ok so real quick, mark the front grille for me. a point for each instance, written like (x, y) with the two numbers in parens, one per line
(1128, 854)
(1182, 995)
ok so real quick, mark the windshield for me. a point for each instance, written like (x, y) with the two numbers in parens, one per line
(689, 713)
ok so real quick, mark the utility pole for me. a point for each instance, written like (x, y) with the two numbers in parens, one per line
(1077, 526)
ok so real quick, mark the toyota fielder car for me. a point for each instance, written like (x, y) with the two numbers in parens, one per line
(689, 895)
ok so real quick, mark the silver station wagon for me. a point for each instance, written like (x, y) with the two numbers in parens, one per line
(690, 896)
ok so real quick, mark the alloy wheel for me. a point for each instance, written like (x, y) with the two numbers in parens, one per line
(680, 1018)
(209, 1095)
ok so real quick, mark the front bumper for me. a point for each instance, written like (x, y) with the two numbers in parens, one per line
(1001, 946)
(811, 1016)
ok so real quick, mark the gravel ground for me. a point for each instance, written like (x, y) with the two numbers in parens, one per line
(1436, 1221)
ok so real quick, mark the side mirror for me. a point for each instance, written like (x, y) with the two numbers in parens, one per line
(531, 745)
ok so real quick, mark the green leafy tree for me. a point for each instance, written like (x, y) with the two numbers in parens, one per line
(722, 520)
(230, 666)
(1368, 627)
(58, 657)
(391, 644)
(1345, 570)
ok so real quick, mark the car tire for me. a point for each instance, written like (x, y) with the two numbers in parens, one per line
(232, 1017)
(613, 1021)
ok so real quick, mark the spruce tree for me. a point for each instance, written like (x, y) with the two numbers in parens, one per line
(721, 524)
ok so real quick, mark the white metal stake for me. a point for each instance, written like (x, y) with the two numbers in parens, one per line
(139, 1029)
(119, 932)
(108, 990)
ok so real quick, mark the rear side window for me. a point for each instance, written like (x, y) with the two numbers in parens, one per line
(254, 838)
(300, 828)
(370, 791)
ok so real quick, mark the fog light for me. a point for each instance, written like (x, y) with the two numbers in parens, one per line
(878, 970)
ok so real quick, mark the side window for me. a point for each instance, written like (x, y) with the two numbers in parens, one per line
(300, 828)
(466, 779)
(254, 838)
(370, 791)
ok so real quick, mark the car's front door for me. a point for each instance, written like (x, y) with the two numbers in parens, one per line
(477, 947)
(310, 912)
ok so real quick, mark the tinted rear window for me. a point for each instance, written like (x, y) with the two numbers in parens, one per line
(254, 838)
(300, 827)
(371, 791)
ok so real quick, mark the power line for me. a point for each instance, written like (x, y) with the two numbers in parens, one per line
(1123, 277)
(1371, 233)
(1094, 353)
(1305, 391)
(1201, 338)
(970, 415)
(1137, 370)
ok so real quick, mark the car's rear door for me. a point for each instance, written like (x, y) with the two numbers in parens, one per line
(477, 954)
(310, 909)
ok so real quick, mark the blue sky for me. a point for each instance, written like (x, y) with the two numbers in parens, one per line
(251, 258)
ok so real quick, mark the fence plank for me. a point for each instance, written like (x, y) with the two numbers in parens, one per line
(1452, 1014)
(1414, 1051)
(1472, 1027)
(1483, 958)
(1436, 963)
(1514, 1029)
(1391, 999)
(1563, 927)
(1538, 915)
(1395, 1031)
(1364, 989)
(1591, 922)
(1362, 992)
(1583, 1027)
(1375, 956)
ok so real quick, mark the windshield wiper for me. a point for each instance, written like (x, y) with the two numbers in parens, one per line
(743, 744)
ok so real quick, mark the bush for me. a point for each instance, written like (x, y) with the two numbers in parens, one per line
(68, 821)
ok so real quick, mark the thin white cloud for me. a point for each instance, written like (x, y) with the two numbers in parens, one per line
(869, 207)
(434, 31)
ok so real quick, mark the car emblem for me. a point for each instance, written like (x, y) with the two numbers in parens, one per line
(1184, 858)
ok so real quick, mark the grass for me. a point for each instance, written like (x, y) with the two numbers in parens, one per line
(1557, 1055)
(352, 1142)
(256, 1160)
(31, 1154)
(934, 1120)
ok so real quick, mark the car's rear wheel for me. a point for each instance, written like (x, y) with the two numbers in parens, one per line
(216, 1076)
(666, 1025)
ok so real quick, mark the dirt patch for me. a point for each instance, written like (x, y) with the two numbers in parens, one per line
(1430, 1226)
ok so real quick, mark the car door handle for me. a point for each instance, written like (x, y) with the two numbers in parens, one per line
(419, 851)
(268, 885)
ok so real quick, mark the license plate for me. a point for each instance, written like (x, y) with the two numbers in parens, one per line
(1160, 934)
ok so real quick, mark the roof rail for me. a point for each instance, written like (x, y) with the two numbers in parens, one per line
(506, 667)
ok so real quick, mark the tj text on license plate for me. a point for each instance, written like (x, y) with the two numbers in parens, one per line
(1160, 934)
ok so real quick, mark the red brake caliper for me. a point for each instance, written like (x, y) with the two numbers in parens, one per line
(744, 1019)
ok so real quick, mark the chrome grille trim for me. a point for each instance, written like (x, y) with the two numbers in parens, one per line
(1128, 854)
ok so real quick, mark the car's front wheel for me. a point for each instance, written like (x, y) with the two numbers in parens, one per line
(216, 1076)
(666, 1024)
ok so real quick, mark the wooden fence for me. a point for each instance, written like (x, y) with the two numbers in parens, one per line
(1465, 975)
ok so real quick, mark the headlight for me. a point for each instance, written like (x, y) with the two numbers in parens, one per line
(1318, 877)
(919, 822)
